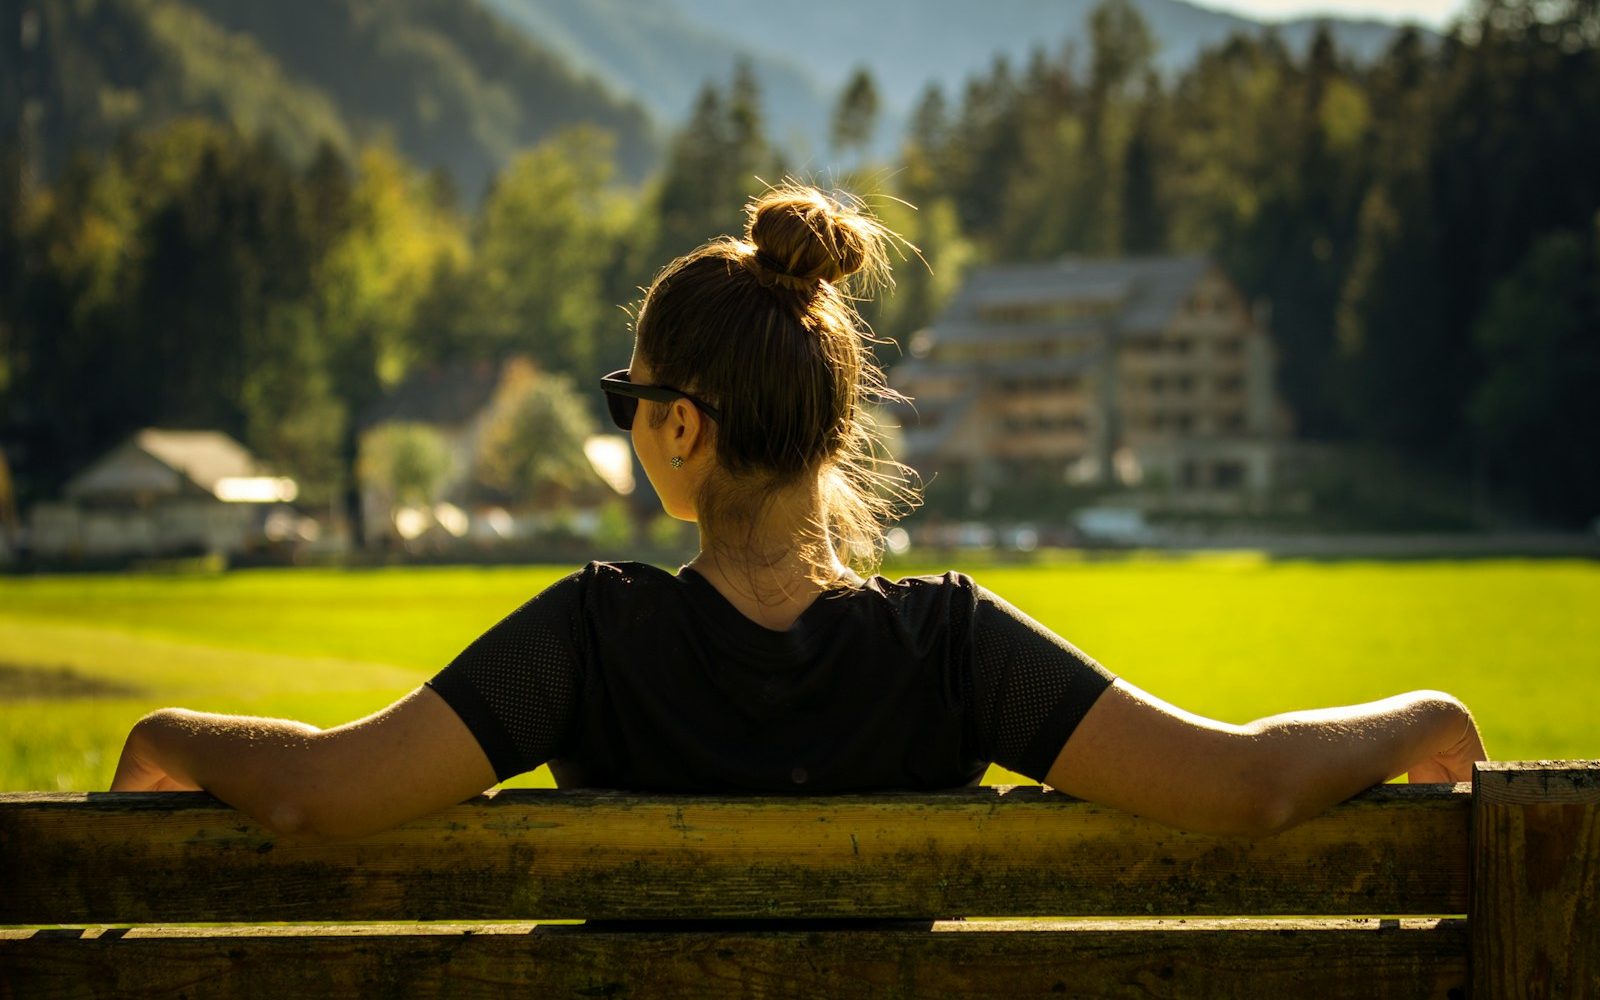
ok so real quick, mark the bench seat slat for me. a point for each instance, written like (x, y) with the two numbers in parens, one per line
(1368, 959)
(73, 858)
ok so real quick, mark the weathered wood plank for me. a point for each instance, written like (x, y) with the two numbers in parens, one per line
(1536, 879)
(1327, 958)
(75, 858)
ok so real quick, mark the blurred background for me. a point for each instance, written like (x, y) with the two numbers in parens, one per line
(333, 280)
(330, 283)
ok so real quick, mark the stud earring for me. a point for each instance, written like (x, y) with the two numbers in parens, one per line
(677, 462)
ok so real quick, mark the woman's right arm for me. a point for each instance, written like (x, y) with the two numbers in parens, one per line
(1137, 753)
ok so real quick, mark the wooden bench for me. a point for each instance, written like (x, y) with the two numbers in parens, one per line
(1406, 891)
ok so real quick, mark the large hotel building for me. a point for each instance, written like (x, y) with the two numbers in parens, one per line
(1152, 373)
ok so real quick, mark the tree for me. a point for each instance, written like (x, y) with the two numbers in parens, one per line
(406, 463)
(925, 153)
(1405, 373)
(549, 231)
(1537, 410)
(378, 270)
(855, 117)
(531, 449)
(1121, 54)
(294, 417)
(930, 122)
(714, 163)
(1143, 215)
(747, 140)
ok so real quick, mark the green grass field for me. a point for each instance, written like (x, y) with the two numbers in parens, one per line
(1234, 637)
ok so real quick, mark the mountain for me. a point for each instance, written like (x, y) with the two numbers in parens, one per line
(907, 43)
(655, 54)
(86, 72)
(661, 51)
(450, 84)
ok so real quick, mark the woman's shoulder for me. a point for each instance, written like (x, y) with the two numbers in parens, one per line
(598, 578)
(941, 594)
(616, 574)
(923, 582)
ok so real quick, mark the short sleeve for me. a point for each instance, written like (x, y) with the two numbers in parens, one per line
(1030, 687)
(517, 687)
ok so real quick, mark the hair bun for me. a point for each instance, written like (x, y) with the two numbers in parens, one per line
(802, 237)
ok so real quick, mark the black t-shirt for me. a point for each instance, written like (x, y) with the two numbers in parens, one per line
(623, 675)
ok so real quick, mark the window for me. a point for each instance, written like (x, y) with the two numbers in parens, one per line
(1228, 475)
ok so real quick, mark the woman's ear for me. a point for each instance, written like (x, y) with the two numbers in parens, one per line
(686, 426)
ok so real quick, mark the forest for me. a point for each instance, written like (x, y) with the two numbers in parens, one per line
(1425, 228)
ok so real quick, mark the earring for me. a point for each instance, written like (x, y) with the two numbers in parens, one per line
(677, 462)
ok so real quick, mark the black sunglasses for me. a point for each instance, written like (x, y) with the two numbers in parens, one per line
(622, 398)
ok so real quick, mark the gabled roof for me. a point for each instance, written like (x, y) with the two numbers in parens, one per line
(163, 462)
(444, 397)
(1140, 294)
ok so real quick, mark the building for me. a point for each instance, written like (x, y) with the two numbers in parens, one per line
(1147, 372)
(165, 492)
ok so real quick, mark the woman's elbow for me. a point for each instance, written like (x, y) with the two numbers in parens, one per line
(1268, 810)
(286, 818)
(306, 821)
(1251, 809)
(1255, 807)
(298, 804)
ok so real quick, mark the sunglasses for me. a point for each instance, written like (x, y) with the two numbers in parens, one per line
(622, 398)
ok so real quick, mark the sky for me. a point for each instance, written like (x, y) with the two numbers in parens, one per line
(1433, 13)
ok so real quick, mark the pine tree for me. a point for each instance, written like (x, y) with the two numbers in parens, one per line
(855, 117)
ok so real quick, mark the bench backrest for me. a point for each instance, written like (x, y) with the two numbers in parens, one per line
(1518, 851)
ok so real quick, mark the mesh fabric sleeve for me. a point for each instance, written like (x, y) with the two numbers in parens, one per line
(1030, 689)
(517, 686)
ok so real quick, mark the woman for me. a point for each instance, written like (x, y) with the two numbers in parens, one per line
(767, 663)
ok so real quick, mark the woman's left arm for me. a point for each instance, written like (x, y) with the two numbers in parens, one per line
(413, 758)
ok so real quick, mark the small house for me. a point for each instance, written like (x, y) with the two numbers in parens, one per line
(162, 492)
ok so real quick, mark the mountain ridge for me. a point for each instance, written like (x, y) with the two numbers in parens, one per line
(660, 52)
(447, 82)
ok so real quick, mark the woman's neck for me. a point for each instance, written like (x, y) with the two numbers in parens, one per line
(781, 562)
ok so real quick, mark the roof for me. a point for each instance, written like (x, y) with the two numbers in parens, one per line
(907, 372)
(1138, 295)
(447, 397)
(161, 462)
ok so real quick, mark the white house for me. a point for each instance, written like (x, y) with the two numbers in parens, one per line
(162, 492)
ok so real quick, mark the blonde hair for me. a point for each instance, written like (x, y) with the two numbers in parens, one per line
(765, 329)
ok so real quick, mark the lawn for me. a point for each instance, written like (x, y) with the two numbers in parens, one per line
(1234, 637)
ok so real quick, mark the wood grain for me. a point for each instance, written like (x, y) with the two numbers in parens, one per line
(172, 857)
(1369, 959)
(1536, 879)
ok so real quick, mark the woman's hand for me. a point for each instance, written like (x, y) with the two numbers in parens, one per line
(1454, 762)
(138, 770)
